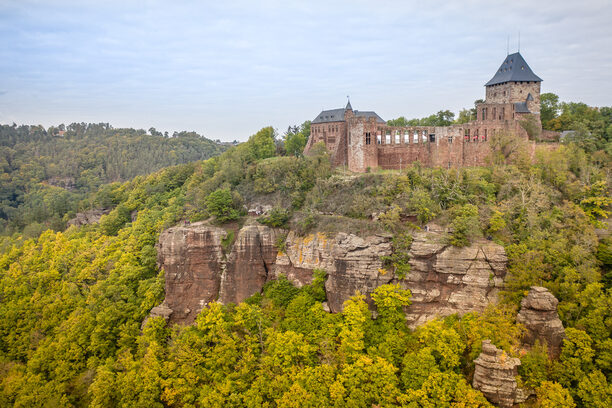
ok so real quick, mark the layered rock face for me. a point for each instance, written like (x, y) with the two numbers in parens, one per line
(494, 376)
(352, 263)
(248, 263)
(199, 272)
(445, 280)
(539, 316)
(193, 261)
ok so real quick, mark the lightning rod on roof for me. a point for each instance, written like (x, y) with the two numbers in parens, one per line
(508, 47)
(519, 44)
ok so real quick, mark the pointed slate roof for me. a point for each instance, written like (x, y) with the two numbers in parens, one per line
(348, 105)
(514, 68)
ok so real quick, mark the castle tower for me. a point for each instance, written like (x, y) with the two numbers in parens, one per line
(515, 83)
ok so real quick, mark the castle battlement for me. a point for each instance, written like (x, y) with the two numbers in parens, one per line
(362, 139)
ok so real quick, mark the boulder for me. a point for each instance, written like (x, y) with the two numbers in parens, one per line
(494, 376)
(539, 316)
(88, 217)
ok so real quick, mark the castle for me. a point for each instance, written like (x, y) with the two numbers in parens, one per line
(361, 139)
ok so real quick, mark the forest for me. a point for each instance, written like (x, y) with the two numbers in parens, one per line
(74, 300)
(46, 173)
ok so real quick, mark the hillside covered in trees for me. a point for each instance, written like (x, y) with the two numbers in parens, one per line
(73, 302)
(47, 172)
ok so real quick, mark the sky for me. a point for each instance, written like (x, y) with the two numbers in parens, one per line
(225, 69)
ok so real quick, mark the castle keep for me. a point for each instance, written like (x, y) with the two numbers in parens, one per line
(362, 139)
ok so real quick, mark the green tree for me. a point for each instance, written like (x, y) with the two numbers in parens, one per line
(553, 395)
(261, 144)
(549, 108)
(295, 139)
(220, 204)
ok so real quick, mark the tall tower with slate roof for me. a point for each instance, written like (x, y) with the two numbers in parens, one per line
(515, 83)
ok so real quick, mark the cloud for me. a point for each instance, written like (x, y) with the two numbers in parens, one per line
(223, 69)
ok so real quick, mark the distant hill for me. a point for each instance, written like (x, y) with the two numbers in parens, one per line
(45, 172)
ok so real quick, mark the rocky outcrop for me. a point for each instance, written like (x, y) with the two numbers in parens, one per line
(248, 263)
(88, 217)
(539, 316)
(199, 272)
(494, 376)
(352, 263)
(445, 280)
(193, 261)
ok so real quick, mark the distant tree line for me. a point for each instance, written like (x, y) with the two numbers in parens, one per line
(46, 172)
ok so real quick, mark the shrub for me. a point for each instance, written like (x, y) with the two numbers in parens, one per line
(278, 217)
(465, 224)
(220, 204)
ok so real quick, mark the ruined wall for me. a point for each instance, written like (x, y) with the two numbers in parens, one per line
(333, 134)
(396, 148)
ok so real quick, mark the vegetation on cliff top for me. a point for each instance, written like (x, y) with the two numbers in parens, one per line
(73, 301)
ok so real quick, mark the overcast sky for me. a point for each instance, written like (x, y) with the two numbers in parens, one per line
(227, 68)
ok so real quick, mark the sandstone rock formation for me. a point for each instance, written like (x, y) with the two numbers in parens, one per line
(539, 316)
(351, 262)
(444, 279)
(88, 217)
(193, 261)
(248, 263)
(494, 376)
(199, 272)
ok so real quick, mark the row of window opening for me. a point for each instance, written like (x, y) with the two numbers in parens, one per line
(396, 138)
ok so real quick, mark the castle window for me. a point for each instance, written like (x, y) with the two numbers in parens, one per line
(378, 138)
(406, 137)
(397, 137)
(415, 137)
(331, 140)
(475, 138)
(467, 135)
(484, 113)
(503, 113)
(368, 138)
(494, 113)
(388, 137)
(432, 138)
(484, 137)
(450, 139)
(424, 136)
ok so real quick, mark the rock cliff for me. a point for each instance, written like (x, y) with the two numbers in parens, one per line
(539, 316)
(193, 261)
(248, 263)
(443, 279)
(494, 376)
(352, 263)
